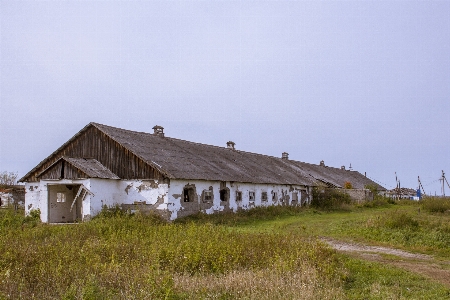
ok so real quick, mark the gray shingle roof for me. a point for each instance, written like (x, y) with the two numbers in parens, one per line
(92, 168)
(89, 166)
(187, 160)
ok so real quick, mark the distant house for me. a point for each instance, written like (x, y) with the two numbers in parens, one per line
(103, 165)
(403, 193)
(12, 196)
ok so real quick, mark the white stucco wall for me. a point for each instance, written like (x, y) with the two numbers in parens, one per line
(165, 198)
(177, 207)
(144, 194)
(36, 195)
(147, 194)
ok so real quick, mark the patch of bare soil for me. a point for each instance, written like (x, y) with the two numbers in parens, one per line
(414, 262)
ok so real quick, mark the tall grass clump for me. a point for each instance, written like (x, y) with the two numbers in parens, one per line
(122, 256)
(436, 204)
(400, 220)
(258, 213)
(12, 219)
(330, 199)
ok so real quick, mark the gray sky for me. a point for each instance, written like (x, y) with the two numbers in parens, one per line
(360, 82)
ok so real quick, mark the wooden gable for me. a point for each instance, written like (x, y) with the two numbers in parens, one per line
(91, 142)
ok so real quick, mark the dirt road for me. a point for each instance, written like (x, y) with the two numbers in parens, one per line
(422, 264)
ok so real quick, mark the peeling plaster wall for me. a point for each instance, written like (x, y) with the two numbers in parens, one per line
(166, 199)
(283, 196)
(32, 194)
(36, 195)
(143, 195)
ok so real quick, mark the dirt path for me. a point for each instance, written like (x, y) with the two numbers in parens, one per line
(421, 264)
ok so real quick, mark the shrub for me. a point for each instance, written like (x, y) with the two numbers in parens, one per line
(328, 199)
(111, 211)
(33, 218)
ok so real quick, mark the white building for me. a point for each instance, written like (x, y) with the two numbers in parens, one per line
(103, 165)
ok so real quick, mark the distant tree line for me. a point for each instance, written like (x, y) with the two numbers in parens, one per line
(8, 178)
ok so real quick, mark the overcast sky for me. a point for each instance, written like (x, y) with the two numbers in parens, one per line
(365, 83)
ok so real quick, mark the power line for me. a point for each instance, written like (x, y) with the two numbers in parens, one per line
(380, 183)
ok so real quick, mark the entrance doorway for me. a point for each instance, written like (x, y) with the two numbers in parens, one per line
(62, 208)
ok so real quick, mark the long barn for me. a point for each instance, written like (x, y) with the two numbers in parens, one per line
(107, 166)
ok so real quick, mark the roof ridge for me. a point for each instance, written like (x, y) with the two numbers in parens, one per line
(197, 143)
(157, 167)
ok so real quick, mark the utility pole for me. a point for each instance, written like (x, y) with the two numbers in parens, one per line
(397, 189)
(420, 185)
(444, 181)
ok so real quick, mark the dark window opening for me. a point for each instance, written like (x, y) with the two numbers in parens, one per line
(251, 196)
(186, 195)
(224, 194)
(207, 195)
(274, 196)
(62, 169)
(238, 196)
(190, 193)
(264, 196)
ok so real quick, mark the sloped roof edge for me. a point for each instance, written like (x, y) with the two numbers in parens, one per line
(86, 165)
(55, 152)
(79, 133)
(151, 163)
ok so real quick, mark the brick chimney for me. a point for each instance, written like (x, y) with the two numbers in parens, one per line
(158, 130)
(230, 145)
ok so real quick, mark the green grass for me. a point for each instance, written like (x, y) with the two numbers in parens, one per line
(369, 280)
(123, 256)
(264, 253)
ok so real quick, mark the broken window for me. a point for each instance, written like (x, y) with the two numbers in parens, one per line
(190, 193)
(60, 197)
(251, 196)
(303, 197)
(294, 196)
(264, 196)
(207, 195)
(187, 195)
(274, 196)
(224, 194)
(238, 196)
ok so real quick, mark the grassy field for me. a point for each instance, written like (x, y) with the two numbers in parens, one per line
(271, 253)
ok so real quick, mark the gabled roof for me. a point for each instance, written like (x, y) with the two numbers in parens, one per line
(180, 159)
(189, 160)
(89, 166)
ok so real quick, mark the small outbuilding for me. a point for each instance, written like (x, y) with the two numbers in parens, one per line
(12, 196)
(107, 166)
